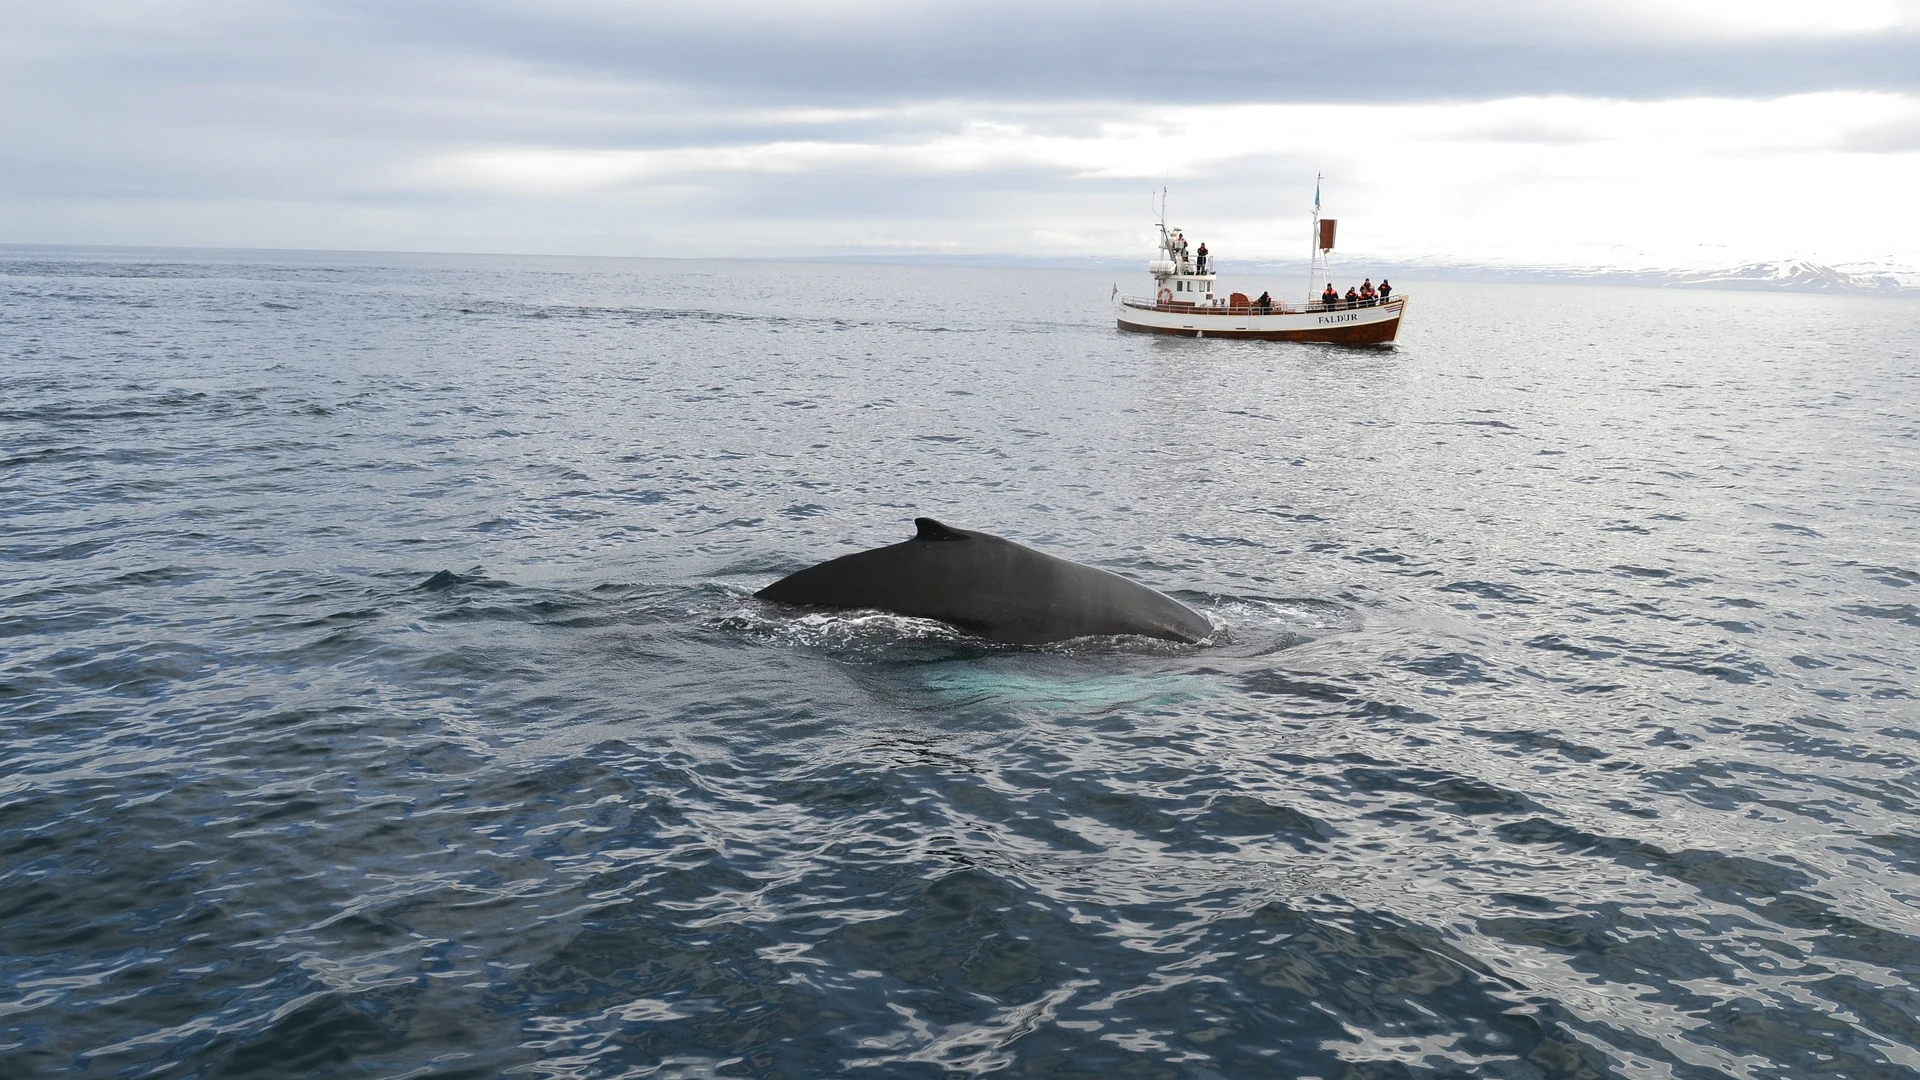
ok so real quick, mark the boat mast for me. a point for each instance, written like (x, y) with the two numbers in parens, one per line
(1313, 239)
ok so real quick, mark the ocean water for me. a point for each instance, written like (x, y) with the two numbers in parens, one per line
(382, 693)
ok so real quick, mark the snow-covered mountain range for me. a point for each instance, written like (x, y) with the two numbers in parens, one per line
(1798, 275)
(1786, 275)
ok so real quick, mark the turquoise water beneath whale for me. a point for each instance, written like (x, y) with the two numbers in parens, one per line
(382, 692)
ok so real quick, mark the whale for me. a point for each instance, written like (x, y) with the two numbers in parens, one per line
(990, 586)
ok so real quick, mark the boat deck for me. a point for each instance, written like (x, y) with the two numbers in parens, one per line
(1187, 307)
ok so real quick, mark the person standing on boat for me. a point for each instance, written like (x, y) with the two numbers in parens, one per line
(1266, 304)
(1201, 267)
(1329, 299)
(1353, 297)
(1386, 289)
(1367, 293)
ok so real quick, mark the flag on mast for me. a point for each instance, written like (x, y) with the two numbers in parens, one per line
(1316, 194)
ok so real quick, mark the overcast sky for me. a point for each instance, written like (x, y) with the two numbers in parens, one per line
(1616, 133)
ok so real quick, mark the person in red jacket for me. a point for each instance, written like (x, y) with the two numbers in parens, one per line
(1329, 299)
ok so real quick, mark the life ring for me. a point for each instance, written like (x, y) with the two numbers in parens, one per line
(1166, 295)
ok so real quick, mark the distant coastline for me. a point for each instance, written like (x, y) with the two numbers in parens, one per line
(1785, 275)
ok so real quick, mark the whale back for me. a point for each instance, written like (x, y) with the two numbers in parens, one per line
(990, 586)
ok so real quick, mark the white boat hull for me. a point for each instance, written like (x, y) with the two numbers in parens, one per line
(1376, 325)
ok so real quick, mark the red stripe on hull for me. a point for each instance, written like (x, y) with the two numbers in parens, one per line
(1378, 333)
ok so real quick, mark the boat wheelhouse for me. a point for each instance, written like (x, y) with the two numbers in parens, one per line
(1185, 301)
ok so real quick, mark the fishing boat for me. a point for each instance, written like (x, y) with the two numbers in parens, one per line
(1185, 302)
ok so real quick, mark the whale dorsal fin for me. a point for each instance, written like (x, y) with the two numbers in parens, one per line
(930, 529)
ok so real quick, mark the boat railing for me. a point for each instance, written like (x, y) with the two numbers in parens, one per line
(1277, 308)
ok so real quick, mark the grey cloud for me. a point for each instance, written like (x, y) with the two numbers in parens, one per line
(651, 60)
(303, 110)
(1131, 51)
(207, 94)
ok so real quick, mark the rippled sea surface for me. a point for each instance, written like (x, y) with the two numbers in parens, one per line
(382, 692)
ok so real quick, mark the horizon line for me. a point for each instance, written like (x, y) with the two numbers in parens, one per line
(1538, 272)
